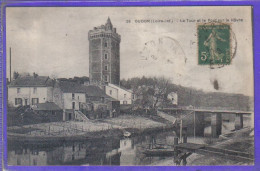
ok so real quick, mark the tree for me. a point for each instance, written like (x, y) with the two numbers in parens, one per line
(151, 92)
(161, 90)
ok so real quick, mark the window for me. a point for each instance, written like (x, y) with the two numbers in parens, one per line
(73, 95)
(102, 99)
(133, 96)
(35, 101)
(105, 44)
(106, 78)
(124, 95)
(106, 67)
(18, 90)
(34, 90)
(110, 92)
(106, 56)
(18, 101)
(73, 105)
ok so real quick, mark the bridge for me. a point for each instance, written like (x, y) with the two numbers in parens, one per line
(216, 118)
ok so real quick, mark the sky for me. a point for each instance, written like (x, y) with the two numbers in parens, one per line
(53, 41)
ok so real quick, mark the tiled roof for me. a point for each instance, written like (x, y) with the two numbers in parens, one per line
(46, 106)
(72, 87)
(31, 81)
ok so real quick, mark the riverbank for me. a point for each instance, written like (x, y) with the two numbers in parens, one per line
(72, 130)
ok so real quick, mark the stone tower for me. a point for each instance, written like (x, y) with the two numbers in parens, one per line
(104, 54)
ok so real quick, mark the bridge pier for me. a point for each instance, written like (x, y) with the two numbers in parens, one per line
(216, 124)
(238, 121)
(199, 123)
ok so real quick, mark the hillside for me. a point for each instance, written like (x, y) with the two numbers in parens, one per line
(198, 98)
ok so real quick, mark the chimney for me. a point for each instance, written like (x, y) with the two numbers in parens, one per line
(35, 75)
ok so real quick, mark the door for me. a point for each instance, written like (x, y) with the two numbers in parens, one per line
(70, 116)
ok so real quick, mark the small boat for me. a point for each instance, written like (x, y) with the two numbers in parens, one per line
(127, 134)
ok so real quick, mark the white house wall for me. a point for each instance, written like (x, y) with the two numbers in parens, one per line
(124, 96)
(114, 92)
(44, 94)
(173, 97)
(79, 98)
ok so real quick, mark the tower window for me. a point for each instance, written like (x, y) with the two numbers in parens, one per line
(105, 44)
(18, 90)
(106, 56)
(106, 78)
(106, 67)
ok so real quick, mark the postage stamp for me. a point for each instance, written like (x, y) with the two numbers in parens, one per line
(214, 44)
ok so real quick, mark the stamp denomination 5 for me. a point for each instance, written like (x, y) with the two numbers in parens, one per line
(214, 44)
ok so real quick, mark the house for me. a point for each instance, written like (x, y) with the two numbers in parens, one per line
(30, 90)
(123, 95)
(79, 100)
(49, 111)
(173, 97)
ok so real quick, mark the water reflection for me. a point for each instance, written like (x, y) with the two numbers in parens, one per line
(127, 151)
(76, 153)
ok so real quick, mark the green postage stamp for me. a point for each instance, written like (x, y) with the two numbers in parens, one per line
(214, 44)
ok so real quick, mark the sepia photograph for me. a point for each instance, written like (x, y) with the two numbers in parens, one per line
(130, 86)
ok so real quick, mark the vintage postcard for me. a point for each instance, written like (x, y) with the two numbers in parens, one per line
(130, 86)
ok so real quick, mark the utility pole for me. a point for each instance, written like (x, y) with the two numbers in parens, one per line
(10, 64)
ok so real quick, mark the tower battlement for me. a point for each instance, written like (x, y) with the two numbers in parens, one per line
(106, 30)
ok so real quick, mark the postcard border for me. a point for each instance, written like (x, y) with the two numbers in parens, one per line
(48, 3)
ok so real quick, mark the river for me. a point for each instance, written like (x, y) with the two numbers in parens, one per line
(110, 151)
